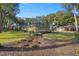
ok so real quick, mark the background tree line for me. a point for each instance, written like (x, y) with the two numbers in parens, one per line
(9, 21)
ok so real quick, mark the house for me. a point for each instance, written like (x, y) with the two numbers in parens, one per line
(67, 28)
(70, 28)
(60, 29)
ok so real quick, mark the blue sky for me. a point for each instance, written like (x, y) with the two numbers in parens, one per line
(38, 9)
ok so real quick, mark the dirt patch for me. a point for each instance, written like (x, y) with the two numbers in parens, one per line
(67, 50)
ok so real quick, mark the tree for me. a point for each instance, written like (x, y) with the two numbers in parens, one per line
(60, 18)
(63, 18)
(7, 11)
(72, 8)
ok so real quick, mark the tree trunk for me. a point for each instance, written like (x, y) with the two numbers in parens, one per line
(75, 18)
(1, 25)
(10, 24)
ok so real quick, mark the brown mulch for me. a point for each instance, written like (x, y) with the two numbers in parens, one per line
(35, 41)
(39, 46)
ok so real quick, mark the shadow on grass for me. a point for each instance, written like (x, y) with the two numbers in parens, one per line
(35, 49)
(76, 34)
(62, 33)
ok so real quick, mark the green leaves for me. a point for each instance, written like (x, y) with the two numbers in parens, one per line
(73, 8)
(8, 12)
(60, 18)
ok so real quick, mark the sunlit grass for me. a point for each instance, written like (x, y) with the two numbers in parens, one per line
(6, 37)
(13, 36)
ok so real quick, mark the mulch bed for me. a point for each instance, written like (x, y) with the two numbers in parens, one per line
(39, 46)
(32, 42)
(37, 41)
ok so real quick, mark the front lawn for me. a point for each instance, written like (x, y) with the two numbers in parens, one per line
(61, 35)
(10, 36)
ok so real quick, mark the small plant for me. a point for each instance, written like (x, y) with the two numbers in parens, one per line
(35, 46)
(1, 45)
(32, 30)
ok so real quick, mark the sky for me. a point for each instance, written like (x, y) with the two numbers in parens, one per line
(38, 9)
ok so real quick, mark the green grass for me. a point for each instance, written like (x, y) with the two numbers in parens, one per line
(61, 35)
(14, 36)
(10, 36)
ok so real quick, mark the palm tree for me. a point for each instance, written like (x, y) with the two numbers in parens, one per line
(73, 8)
